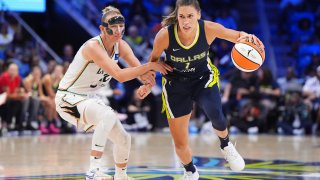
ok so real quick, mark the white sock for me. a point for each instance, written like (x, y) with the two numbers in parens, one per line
(95, 163)
(120, 171)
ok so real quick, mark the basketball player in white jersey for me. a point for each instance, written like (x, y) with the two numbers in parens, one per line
(92, 67)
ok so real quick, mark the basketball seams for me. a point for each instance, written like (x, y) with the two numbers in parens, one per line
(243, 45)
(237, 65)
(259, 50)
(246, 57)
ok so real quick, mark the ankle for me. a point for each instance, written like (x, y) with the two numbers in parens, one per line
(120, 170)
(190, 167)
(224, 142)
(95, 163)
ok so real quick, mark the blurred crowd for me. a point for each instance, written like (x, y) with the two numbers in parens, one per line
(299, 24)
(258, 102)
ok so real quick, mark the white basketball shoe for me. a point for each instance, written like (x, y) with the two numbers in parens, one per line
(188, 175)
(95, 174)
(234, 159)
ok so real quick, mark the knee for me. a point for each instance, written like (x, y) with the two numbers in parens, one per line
(181, 146)
(219, 124)
(108, 118)
(218, 120)
(124, 140)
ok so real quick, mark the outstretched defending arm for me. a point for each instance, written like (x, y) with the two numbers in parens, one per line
(127, 54)
(93, 51)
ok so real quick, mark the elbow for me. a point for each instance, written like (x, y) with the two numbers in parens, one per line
(119, 78)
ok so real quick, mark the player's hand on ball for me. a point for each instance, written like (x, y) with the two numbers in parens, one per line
(250, 38)
(144, 90)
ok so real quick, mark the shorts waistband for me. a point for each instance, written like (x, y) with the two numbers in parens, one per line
(66, 91)
(183, 79)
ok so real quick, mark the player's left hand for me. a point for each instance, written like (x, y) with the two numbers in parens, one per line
(144, 90)
(149, 78)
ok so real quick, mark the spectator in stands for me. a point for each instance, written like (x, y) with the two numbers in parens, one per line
(155, 9)
(68, 53)
(51, 65)
(50, 83)
(310, 70)
(311, 89)
(140, 22)
(138, 43)
(10, 82)
(238, 91)
(137, 8)
(33, 86)
(65, 65)
(37, 61)
(138, 111)
(311, 93)
(302, 28)
(25, 64)
(295, 118)
(6, 37)
(238, 98)
(290, 82)
(269, 93)
(226, 19)
(248, 119)
(118, 100)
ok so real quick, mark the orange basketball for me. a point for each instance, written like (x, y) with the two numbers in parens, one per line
(247, 56)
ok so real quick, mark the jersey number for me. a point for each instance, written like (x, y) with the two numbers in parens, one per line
(105, 78)
(187, 65)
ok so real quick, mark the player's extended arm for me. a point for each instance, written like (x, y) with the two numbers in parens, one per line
(219, 31)
(93, 51)
(127, 54)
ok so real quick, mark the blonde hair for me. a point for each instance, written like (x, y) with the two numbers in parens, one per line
(108, 11)
(172, 18)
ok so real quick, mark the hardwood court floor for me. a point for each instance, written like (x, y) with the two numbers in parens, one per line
(152, 157)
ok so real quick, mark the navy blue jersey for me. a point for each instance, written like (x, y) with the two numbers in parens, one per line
(188, 61)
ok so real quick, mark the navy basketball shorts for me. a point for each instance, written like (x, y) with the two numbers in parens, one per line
(178, 96)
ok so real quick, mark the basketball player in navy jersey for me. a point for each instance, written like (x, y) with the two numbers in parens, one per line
(186, 39)
(91, 69)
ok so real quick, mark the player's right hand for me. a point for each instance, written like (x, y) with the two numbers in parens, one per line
(161, 67)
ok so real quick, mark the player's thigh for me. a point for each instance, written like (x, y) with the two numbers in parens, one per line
(179, 128)
(86, 113)
(176, 99)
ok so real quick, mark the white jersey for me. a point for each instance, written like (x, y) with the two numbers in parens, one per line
(84, 76)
